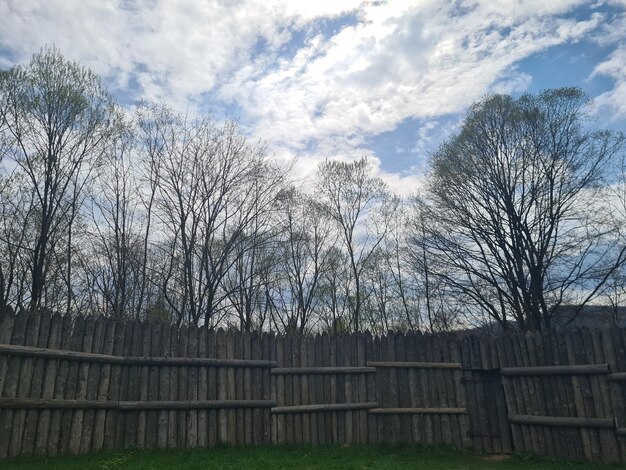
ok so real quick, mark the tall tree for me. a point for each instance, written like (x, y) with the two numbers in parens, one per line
(303, 257)
(57, 120)
(362, 208)
(519, 214)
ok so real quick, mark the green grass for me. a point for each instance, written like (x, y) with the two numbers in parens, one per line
(341, 458)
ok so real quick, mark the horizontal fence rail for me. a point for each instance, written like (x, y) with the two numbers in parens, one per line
(322, 370)
(582, 369)
(566, 421)
(32, 403)
(130, 360)
(416, 365)
(419, 411)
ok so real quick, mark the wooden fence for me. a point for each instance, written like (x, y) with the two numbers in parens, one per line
(74, 385)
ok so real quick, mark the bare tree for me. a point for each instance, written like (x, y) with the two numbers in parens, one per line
(362, 208)
(212, 187)
(114, 236)
(519, 210)
(56, 117)
(302, 251)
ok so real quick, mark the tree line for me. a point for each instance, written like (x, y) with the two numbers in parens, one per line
(146, 213)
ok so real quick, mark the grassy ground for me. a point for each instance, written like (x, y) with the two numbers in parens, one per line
(351, 458)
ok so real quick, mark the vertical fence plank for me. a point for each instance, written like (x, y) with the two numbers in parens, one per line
(192, 388)
(566, 397)
(323, 436)
(93, 379)
(447, 423)
(164, 387)
(115, 385)
(362, 387)
(404, 391)
(432, 390)
(221, 386)
(239, 373)
(11, 380)
(76, 340)
(133, 391)
(49, 380)
(231, 388)
(337, 357)
(601, 392)
(213, 425)
(459, 393)
(428, 434)
(414, 396)
(527, 383)
(103, 384)
(183, 391)
(371, 390)
(279, 420)
(153, 385)
(532, 359)
(269, 387)
(581, 389)
(36, 386)
(144, 384)
(172, 416)
(606, 341)
(203, 440)
(330, 387)
(254, 384)
(34, 370)
(248, 424)
(7, 322)
(304, 390)
(60, 385)
(81, 388)
(124, 387)
(23, 386)
(619, 341)
(475, 408)
(331, 435)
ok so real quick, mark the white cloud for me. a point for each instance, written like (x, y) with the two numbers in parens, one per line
(614, 67)
(173, 49)
(396, 60)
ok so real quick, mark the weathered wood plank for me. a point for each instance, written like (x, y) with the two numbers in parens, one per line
(414, 365)
(11, 380)
(50, 377)
(330, 407)
(139, 360)
(203, 439)
(164, 388)
(23, 386)
(192, 388)
(577, 369)
(152, 385)
(115, 386)
(563, 421)
(93, 379)
(36, 387)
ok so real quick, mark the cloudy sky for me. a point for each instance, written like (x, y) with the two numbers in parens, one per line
(339, 78)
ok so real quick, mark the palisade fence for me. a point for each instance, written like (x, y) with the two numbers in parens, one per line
(74, 385)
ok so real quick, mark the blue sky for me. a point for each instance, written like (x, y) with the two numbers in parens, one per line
(335, 79)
